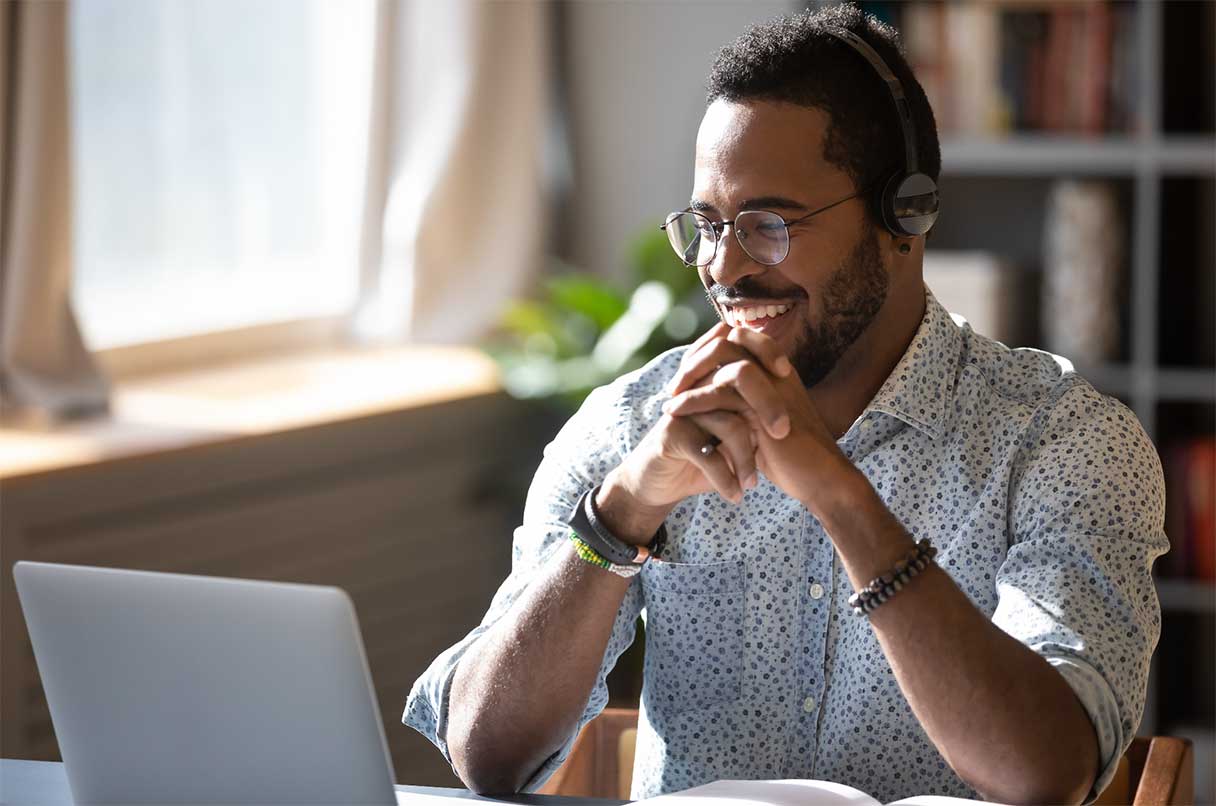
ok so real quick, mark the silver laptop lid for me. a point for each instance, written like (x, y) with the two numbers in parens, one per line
(168, 688)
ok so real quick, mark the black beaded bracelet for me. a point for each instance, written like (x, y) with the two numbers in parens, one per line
(882, 588)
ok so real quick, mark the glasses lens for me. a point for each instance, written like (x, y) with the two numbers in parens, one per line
(692, 236)
(763, 235)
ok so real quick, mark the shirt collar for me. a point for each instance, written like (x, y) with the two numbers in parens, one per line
(920, 390)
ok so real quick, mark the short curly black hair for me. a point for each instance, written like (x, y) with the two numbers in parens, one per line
(796, 60)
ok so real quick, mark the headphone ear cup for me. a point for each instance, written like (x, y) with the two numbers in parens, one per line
(886, 203)
(909, 204)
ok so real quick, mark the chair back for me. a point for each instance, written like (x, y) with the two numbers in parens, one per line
(1156, 771)
(601, 763)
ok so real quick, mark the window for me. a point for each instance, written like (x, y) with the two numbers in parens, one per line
(219, 152)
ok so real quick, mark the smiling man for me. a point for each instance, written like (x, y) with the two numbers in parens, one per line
(870, 545)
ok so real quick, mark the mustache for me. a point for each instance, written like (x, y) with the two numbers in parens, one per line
(748, 288)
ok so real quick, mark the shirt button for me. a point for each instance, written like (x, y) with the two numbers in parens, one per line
(816, 591)
(808, 704)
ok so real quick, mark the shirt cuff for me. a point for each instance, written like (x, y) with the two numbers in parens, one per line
(551, 765)
(1099, 702)
(420, 714)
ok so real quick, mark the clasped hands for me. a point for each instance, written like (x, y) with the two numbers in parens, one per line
(737, 388)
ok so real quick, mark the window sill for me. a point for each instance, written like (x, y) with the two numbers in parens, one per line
(171, 411)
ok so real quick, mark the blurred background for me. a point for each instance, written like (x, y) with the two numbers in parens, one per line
(299, 289)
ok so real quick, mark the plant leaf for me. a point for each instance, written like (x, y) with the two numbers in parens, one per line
(589, 296)
(653, 259)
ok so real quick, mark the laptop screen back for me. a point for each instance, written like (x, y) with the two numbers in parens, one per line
(167, 688)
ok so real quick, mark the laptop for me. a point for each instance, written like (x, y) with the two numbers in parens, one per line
(168, 688)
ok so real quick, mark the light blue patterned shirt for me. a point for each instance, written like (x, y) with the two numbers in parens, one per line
(1044, 498)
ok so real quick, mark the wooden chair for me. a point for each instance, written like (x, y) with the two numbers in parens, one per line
(1153, 772)
(601, 762)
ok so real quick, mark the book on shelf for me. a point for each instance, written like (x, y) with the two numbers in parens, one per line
(1083, 268)
(993, 68)
(789, 793)
(1190, 506)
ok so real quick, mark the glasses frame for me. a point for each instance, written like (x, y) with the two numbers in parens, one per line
(719, 227)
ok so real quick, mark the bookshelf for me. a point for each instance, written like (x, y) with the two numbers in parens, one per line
(1046, 155)
(1161, 162)
(1142, 160)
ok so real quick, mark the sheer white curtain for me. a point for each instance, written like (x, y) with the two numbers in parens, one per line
(44, 367)
(220, 148)
(454, 214)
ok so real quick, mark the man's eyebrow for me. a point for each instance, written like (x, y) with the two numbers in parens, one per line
(758, 203)
(768, 202)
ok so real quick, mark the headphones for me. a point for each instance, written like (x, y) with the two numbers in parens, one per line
(908, 201)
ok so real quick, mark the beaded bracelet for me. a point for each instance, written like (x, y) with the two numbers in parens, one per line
(588, 554)
(882, 588)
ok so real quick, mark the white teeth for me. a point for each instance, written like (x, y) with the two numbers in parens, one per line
(736, 317)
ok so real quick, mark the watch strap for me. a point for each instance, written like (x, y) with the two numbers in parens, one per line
(585, 521)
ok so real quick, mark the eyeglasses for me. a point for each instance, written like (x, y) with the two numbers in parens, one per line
(764, 235)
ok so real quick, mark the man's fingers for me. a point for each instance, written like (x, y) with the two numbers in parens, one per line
(718, 331)
(739, 344)
(736, 387)
(771, 356)
(731, 464)
(735, 441)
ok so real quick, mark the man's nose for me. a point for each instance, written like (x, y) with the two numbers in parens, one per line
(731, 263)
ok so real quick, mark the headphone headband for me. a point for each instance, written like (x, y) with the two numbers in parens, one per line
(902, 110)
(908, 204)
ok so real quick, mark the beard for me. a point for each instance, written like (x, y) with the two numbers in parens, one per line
(851, 298)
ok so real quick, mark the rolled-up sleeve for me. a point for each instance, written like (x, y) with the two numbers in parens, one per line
(1087, 510)
(579, 457)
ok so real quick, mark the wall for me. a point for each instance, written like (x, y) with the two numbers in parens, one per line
(634, 86)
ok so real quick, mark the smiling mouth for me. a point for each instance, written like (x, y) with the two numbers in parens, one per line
(753, 316)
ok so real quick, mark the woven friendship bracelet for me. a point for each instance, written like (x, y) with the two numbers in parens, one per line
(882, 588)
(590, 555)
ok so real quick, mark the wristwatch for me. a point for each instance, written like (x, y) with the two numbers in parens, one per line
(585, 522)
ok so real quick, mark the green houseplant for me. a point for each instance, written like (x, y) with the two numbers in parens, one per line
(583, 331)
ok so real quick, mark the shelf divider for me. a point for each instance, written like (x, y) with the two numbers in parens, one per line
(1186, 595)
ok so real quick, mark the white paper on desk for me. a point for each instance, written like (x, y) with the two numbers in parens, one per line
(423, 799)
(418, 799)
(787, 793)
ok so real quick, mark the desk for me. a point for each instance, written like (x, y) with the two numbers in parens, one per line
(45, 783)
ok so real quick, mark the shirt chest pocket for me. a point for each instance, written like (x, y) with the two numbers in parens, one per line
(694, 634)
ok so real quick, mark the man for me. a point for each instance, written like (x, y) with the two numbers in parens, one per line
(797, 452)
